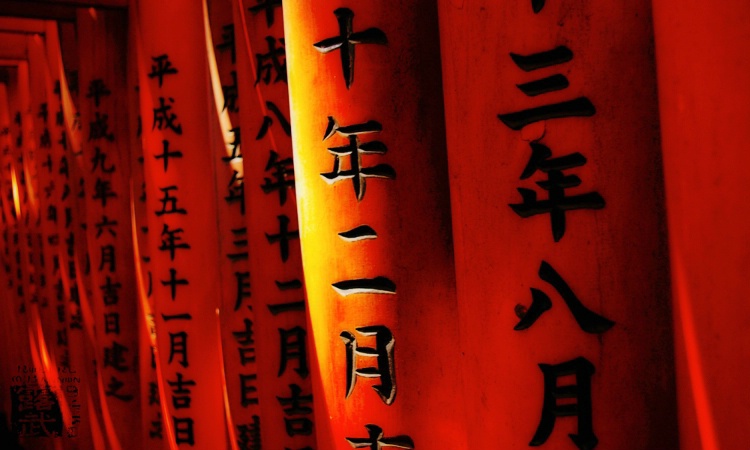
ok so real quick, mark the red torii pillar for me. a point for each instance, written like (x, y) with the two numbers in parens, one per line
(183, 237)
(702, 53)
(371, 186)
(563, 290)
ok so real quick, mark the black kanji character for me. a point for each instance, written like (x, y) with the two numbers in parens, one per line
(173, 282)
(72, 77)
(97, 90)
(99, 161)
(247, 355)
(293, 346)
(268, 6)
(230, 94)
(358, 233)
(155, 432)
(153, 393)
(347, 39)
(588, 320)
(43, 111)
(268, 121)
(236, 142)
(166, 154)
(585, 439)
(45, 140)
(556, 184)
(63, 140)
(106, 225)
(271, 61)
(183, 316)
(354, 150)
(171, 241)
(245, 337)
(236, 189)
(162, 67)
(113, 390)
(377, 285)
(294, 405)
(169, 203)
(112, 323)
(110, 292)
(248, 389)
(178, 348)
(103, 191)
(283, 174)
(376, 440)
(243, 288)
(107, 258)
(99, 128)
(183, 431)
(249, 434)
(579, 107)
(383, 352)
(227, 43)
(240, 241)
(181, 391)
(114, 357)
(164, 118)
(64, 169)
(283, 237)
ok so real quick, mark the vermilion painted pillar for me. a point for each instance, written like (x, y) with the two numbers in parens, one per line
(182, 220)
(42, 142)
(153, 433)
(106, 169)
(31, 379)
(83, 430)
(28, 226)
(8, 319)
(25, 202)
(238, 340)
(81, 319)
(52, 342)
(702, 63)
(32, 257)
(72, 96)
(57, 214)
(284, 391)
(13, 321)
(561, 262)
(50, 190)
(82, 314)
(371, 186)
(25, 182)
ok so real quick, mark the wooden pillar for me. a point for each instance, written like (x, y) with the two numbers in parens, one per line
(371, 186)
(702, 63)
(237, 318)
(106, 170)
(279, 326)
(561, 261)
(183, 236)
